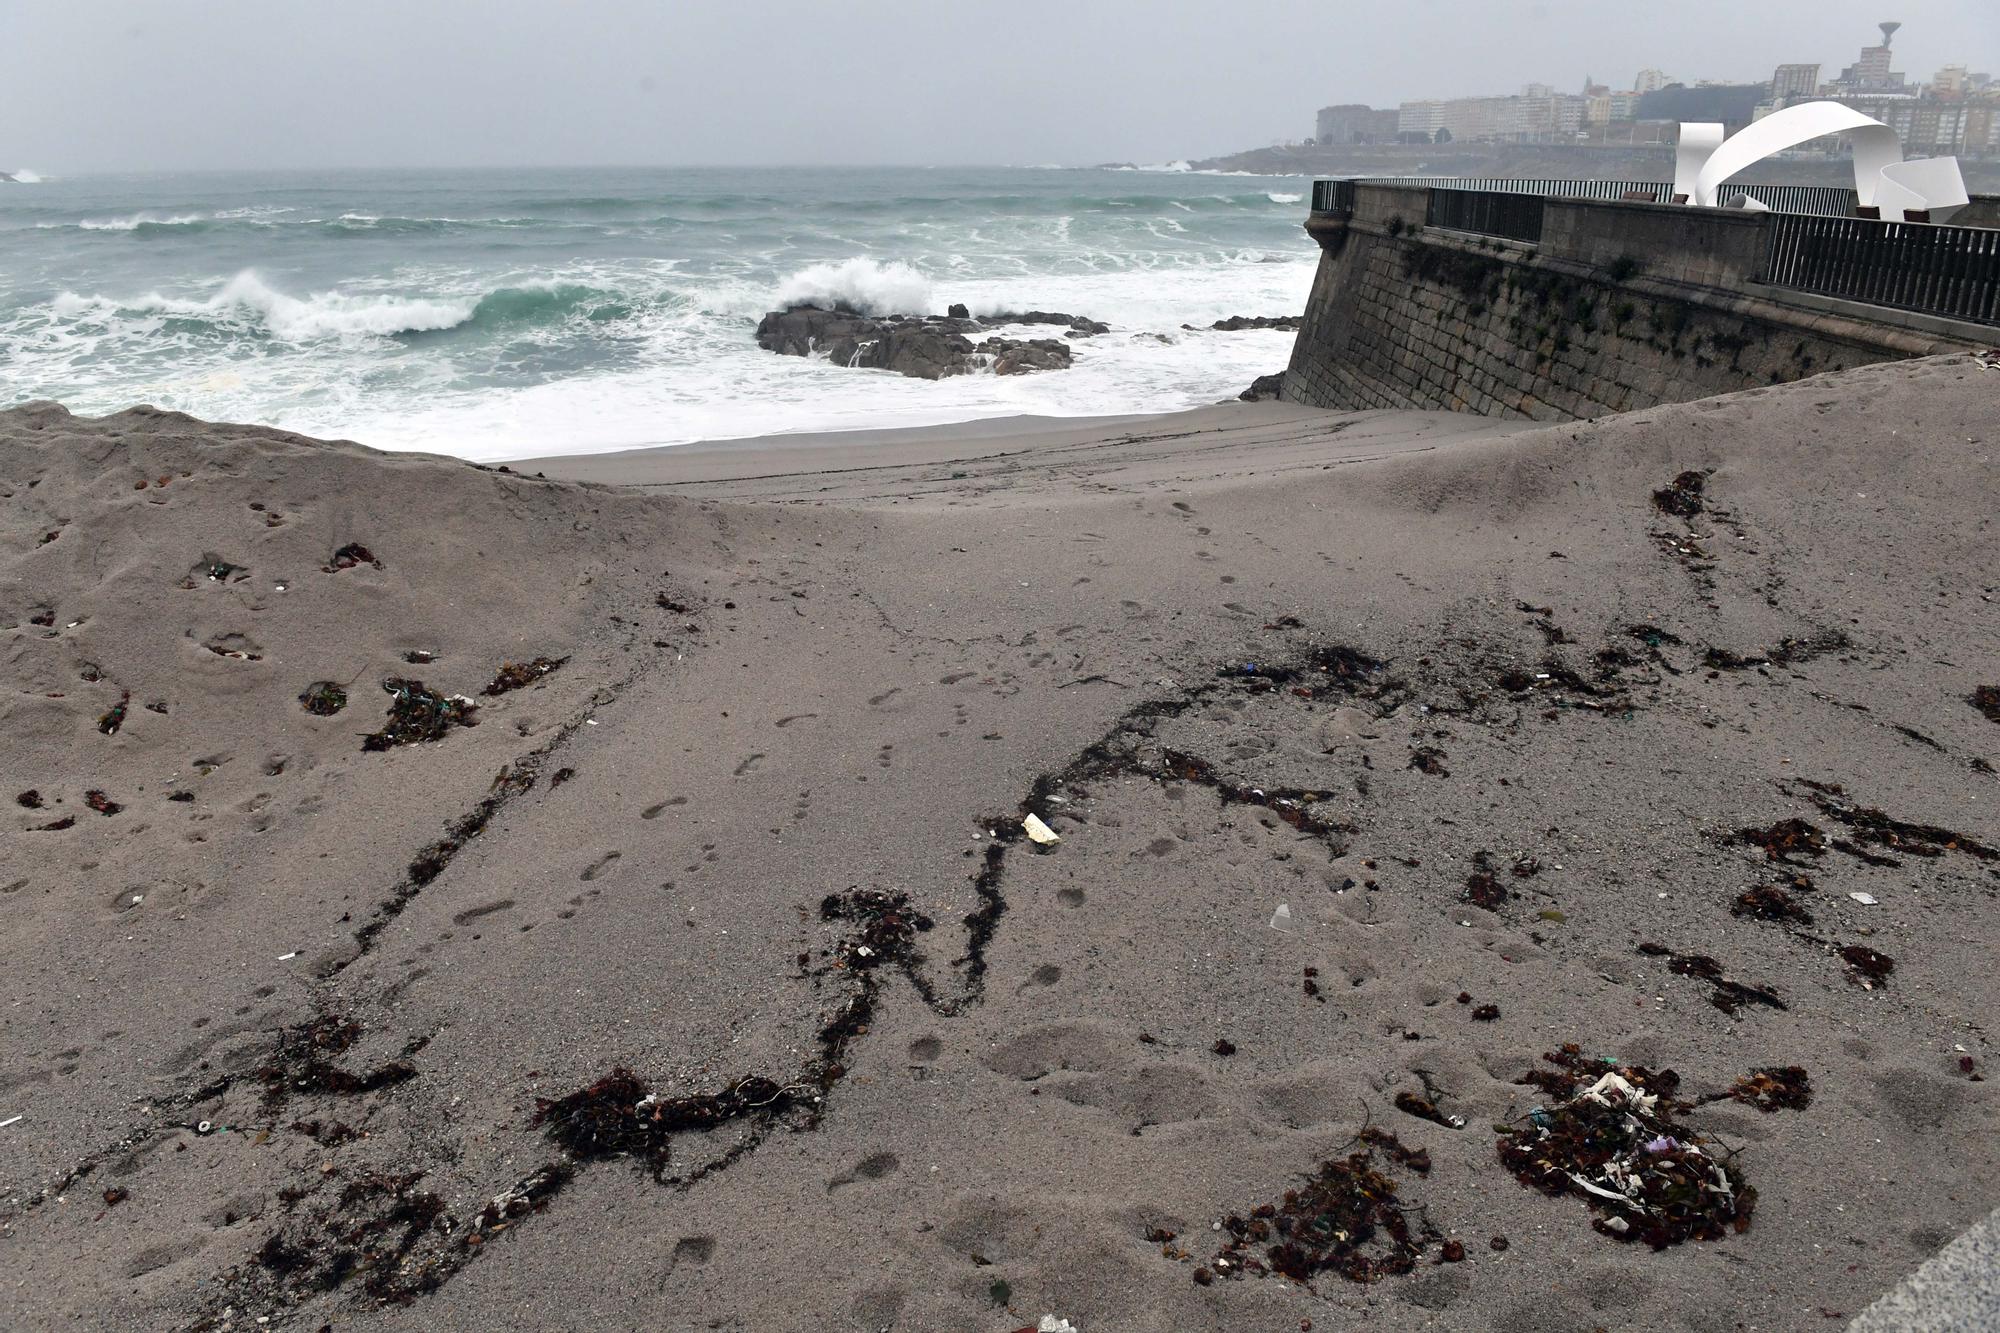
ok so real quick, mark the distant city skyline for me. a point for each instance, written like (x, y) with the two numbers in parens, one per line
(133, 84)
(1954, 110)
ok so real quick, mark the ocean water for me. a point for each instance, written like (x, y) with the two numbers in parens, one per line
(500, 314)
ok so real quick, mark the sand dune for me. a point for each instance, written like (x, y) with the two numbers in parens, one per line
(327, 1034)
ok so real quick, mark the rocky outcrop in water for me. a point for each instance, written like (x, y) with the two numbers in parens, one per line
(1264, 387)
(927, 347)
(1238, 322)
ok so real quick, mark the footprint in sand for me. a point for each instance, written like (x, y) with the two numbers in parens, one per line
(471, 914)
(876, 1166)
(743, 769)
(654, 811)
(1070, 897)
(602, 864)
(926, 1049)
(878, 700)
(691, 1251)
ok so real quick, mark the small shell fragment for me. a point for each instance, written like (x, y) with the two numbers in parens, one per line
(1040, 833)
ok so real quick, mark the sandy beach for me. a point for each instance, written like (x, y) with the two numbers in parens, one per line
(602, 893)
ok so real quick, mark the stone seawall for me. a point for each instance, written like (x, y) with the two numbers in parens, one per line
(1619, 306)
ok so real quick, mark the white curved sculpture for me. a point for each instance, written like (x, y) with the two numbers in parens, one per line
(1882, 179)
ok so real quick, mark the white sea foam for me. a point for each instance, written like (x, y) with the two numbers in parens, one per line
(138, 220)
(23, 176)
(1278, 198)
(865, 285)
(246, 298)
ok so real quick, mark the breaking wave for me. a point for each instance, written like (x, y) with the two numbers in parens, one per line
(246, 302)
(865, 286)
(140, 221)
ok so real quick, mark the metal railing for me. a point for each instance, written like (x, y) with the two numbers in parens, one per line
(1337, 196)
(1487, 212)
(1832, 201)
(1949, 271)
(1333, 196)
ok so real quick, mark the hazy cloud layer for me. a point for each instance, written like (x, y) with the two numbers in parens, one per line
(118, 84)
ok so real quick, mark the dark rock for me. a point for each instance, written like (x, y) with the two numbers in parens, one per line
(958, 312)
(1236, 322)
(1263, 387)
(921, 346)
(1014, 357)
(1077, 323)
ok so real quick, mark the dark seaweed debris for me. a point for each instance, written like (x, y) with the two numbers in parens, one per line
(1987, 700)
(375, 1230)
(114, 718)
(1346, 1220)
(1785, 839)
(1872, 827)
(1728, 995)
(323, 698)
(1774, 1088)
(1768, 902)
(303, 1063)
(619, 1116)
(1484, 889)
(1681, 497)
(1424, 1108)
(30, 799)
(1429, 759)
(1869, 970)
(517, 675)
(101, 803)
(418, 715)
(1613, 1142)
(350, 556)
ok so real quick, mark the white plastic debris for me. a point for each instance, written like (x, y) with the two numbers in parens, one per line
(1051, 1324)
(1281, 920)
(1865, 899)
(1614, 1091)
(287, 957)
(1040, 833)
(10, 1120)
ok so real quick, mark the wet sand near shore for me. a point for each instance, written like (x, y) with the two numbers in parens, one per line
(639, 925)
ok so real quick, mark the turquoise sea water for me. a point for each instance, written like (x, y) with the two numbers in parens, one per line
(496, 314)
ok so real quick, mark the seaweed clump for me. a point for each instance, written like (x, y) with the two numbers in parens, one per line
(303, 1063)
(1681, 497)
(518, 675)
(373, 1230)
(418, 715)
(1728, 994)
(1784, 840)
(619, 1115)
(350, 556)
(1987, 700)
(1869, 970)
(1774, 1088)
(1769, 902)
(1874, 828)
(323, 698)
(1612, 1140)
(1346, 1219)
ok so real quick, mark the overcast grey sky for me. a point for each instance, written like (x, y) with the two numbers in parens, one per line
(118, 84)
